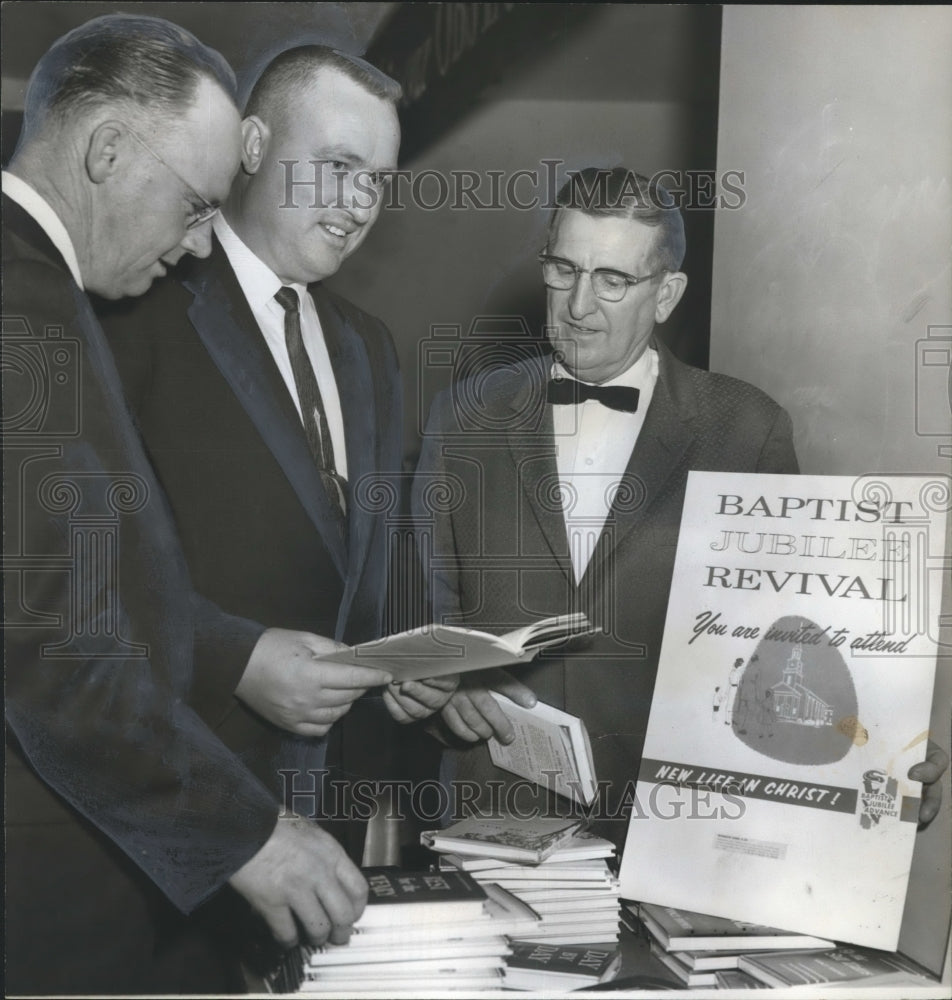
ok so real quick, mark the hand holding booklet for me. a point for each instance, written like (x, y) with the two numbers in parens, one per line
(435, 650)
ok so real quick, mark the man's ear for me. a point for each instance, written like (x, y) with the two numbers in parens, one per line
(104, 149)
(672, 288)
(255, 136)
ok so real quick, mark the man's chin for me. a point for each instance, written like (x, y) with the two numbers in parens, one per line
(139, 284)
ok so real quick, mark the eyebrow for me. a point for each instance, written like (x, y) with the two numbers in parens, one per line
(345, 153)
(568, 260)
(338, 153)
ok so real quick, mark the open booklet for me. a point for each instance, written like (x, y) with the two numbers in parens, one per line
(551, 748)
(435, 650)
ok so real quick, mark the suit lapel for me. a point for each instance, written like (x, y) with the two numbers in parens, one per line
(224, 322)
(534, 465)
(357, 400)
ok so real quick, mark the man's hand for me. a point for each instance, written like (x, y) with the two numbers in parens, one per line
(286, 682)
(473, 714)
(409, 701)
(929, 772)
(302, 872)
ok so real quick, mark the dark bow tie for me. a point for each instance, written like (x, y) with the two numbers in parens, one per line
(568, 392)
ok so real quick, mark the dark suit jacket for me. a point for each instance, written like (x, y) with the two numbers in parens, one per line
(500, 555)
(229, 448)
(101, 620)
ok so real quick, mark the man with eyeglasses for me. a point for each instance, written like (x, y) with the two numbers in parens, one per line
(576, 503)
(124, 808)
(272, 411)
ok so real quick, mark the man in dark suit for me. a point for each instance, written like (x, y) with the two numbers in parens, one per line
(566, 478)
(120, 799)
(271, 408)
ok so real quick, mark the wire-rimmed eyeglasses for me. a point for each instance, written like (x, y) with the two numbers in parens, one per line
(607, 283)
(205, 210)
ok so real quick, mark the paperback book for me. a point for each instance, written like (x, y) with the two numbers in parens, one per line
(685, 930)
(550, 747)
(506, 838)
(429, 896)
(841, 967)
(558, 968)
(434, 650)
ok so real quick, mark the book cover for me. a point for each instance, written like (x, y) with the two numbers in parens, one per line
(686, 930)
(793, 695)
(546, 966)
(581, 846)
(434, 650)
(397, 896)
(550, 747)
(853, 965)
(506, 838)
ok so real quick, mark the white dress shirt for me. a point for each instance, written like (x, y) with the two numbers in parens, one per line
(51, 224)
(260, 284)
(593, 445)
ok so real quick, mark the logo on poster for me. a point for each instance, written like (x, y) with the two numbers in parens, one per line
(878, 798)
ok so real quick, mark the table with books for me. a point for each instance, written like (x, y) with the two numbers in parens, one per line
(535, 906)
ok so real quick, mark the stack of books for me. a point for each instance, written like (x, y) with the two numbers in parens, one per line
(843, 966)
(703, 950)
(420, 930)
(554, 866)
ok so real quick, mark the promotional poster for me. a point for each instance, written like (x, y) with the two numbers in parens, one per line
(793, 695)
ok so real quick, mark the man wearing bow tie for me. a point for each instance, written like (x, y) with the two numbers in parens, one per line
(568, 476)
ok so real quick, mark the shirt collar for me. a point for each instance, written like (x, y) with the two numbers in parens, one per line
(639, 376)
(257, 280)
(42, 212)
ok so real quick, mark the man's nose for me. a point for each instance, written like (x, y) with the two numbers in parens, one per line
(359, 203)
(582, 299)
(198, 241)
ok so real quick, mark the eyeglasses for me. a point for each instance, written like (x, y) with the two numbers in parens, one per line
(607, 284)
(205, 211)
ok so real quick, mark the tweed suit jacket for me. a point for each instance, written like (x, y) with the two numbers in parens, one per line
(102, 625)
(489, 518)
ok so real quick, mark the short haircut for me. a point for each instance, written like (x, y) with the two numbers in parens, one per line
(620, 192)
(128, 59)
(293, 70)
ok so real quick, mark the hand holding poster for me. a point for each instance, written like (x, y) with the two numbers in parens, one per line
(793, 695)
